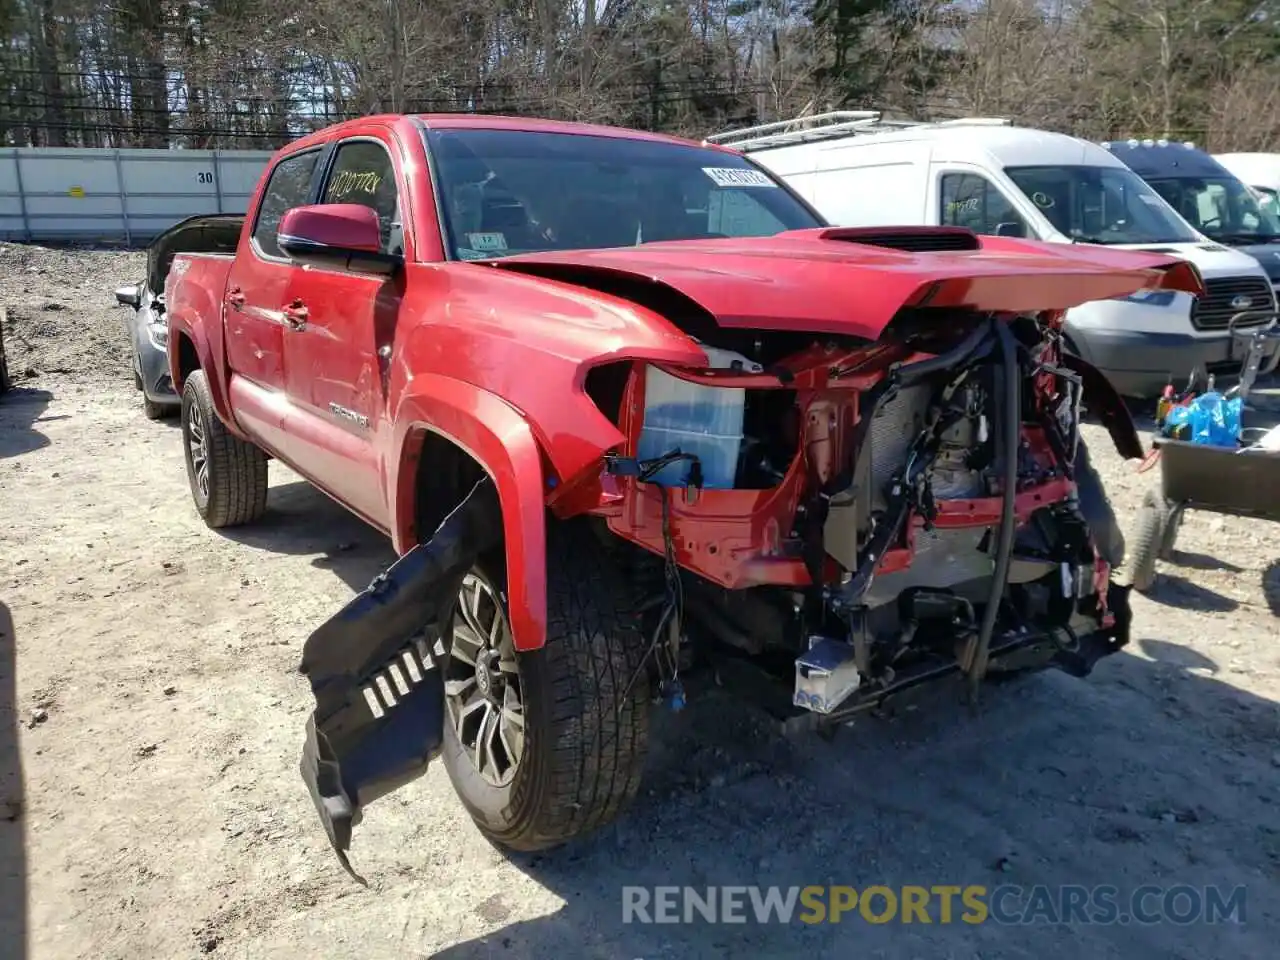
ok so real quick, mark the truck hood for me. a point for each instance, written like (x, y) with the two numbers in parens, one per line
(1214, 260)
(853, 281)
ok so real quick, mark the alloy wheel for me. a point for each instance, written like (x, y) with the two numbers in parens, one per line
(482, 684)
(198, 450)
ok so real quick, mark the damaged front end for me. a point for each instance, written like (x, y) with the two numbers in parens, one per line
(375, 672)
(898, 512)
(854, 515)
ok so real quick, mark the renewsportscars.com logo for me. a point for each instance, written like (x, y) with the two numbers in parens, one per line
(940, 904)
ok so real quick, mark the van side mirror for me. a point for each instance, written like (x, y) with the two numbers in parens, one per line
(130, 296)
(1011, 228)
(343, 236)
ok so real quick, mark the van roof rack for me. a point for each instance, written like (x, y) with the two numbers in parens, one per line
(831, 126)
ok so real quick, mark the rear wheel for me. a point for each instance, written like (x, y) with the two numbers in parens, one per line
(550, 744)
(227, 475)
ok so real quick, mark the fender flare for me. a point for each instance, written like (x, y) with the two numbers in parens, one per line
(1104, 400)
(500, 440)
(211, 366)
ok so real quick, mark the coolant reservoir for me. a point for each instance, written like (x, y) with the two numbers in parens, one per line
(701, 420)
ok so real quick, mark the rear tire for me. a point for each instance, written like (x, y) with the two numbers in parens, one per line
(585, 734)
(227, 475)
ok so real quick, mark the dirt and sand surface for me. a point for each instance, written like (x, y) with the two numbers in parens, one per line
(151, 718)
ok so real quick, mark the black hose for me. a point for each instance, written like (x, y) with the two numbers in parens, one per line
(1010, 442)
(912, 373)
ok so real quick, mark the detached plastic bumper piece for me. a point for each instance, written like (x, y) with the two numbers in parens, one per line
(375, 673)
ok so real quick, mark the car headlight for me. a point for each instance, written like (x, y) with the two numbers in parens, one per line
(1152, 298)
(158, 330)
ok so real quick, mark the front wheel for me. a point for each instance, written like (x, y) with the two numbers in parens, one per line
(155, 411)
(550, 744)
(227, 475)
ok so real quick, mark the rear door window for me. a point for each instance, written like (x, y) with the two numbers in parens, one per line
(288, 187)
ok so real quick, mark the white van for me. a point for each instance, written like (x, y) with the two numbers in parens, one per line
(860, 170)
(1261, 171)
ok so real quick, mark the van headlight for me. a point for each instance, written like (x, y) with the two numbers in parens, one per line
(1152, 298)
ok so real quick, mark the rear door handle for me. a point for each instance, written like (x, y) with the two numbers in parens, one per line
(295, 314)
(235, 298)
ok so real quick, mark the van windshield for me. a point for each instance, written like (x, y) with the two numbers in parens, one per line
(1220, 207)
(1268, 199)
(506, 192)
(1109, 205)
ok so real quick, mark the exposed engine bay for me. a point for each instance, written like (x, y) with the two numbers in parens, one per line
(895, 511)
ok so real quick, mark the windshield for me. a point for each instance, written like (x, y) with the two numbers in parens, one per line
(1220, 207)
(506, 192)
(1101, 205)
(1268, 200)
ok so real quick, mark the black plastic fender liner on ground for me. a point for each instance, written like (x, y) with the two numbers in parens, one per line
(379, 692)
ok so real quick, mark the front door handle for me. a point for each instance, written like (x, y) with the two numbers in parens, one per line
(295, 314)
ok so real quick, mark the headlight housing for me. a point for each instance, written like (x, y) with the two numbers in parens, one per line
(1152, 298)
(158, 331)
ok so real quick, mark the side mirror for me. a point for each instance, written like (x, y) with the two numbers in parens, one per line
(130, 296)
(342, 236)
(1011, 228)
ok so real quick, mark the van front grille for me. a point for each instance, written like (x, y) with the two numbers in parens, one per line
(1225, 297)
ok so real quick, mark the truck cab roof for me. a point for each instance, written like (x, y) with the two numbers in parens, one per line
(476, 121)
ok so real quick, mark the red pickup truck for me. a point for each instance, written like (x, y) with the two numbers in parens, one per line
(624, 404)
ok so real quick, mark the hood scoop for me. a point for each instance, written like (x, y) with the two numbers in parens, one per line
(907, 239)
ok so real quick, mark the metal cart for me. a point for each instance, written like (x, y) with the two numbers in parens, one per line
(1196, 476)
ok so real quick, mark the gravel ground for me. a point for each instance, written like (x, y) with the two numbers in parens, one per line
(151, 805)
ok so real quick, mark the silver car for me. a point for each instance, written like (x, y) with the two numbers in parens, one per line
(147, 326)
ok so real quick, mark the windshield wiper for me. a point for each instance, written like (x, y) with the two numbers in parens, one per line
(1097, 240)
(1245, 237)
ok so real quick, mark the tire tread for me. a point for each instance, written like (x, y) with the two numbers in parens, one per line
(237, 468)
(598, 730)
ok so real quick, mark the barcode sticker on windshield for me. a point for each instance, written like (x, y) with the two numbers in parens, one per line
(489, 242)
(730, 177)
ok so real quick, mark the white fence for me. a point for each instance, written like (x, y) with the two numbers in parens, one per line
(94, 195)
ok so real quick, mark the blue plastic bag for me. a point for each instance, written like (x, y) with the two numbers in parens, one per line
(1209, 419)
